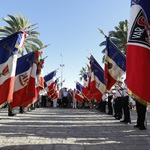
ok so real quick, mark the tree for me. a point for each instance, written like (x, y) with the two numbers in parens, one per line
(17, 22)
(118, 37)
(83, 71)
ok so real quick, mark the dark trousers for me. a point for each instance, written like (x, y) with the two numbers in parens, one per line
(44, 99)
(141, 112)
(110, 108)
(59, 102)
(103, 106)
(118, 108)
(65, 102)
(126, 108)
(9, 110)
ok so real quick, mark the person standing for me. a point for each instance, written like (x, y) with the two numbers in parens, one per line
(70, 98)
(110, 108)
(44, 98)
(65, 98)
(118, 101)
(125, 104)
(103, 103)
(74, 102)
(55, 103)
(59, 98)
(40, 99)
(141, 115)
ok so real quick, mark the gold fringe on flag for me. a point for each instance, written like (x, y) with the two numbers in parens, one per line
(137, 98)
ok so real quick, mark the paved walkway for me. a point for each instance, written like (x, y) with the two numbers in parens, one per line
(70, 129)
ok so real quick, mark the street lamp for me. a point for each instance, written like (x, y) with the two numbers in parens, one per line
(61, 65)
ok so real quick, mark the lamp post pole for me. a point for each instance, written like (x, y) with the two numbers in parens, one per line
(61, 65)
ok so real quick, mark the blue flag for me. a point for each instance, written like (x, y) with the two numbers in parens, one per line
(115, 63)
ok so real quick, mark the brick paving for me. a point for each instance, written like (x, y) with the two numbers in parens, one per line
(70, 129)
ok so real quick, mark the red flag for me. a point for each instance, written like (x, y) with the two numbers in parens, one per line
(55, 95)
(78, 96)
(32, 100)
(138, 50)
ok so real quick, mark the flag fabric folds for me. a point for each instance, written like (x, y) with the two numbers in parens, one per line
(85, 90)
(24, 88)
(97, 81)
(79, 87)
(50, 83)
(39, 80)
(78, 93)
(138, 50)
(115, 64)
(8, 58)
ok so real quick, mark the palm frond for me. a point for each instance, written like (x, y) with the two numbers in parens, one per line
(17, 22)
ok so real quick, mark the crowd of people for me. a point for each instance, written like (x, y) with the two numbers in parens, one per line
(116, 102)
(66, 99)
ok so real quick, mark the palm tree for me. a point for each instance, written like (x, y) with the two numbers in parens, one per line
(83, 71)
(118, 37)
(17, 22)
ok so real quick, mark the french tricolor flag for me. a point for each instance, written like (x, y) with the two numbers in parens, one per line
(115, 64)
(50, 82)
(25, 80)
(8, 59)
(97, 81)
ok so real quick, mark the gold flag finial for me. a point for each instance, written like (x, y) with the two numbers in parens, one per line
(101, 31)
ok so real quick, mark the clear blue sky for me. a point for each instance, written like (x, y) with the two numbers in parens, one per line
(71, 27)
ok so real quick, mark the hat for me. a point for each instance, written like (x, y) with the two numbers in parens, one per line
(120, 81)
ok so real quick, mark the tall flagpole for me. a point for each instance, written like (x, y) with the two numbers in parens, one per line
(61, 65)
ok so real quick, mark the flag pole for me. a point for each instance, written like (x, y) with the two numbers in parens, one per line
(45, 57)
(89, 52)
(31, 26)
(44, 47)
(56, 69)
(61, 65)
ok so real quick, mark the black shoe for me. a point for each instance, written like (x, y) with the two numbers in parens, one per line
(118, 118)
(32, 108)
(142, 128)
(21, 112)
(109, 113)
(127, 122)
(122, 121)
(11, 114)
(136, 126)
